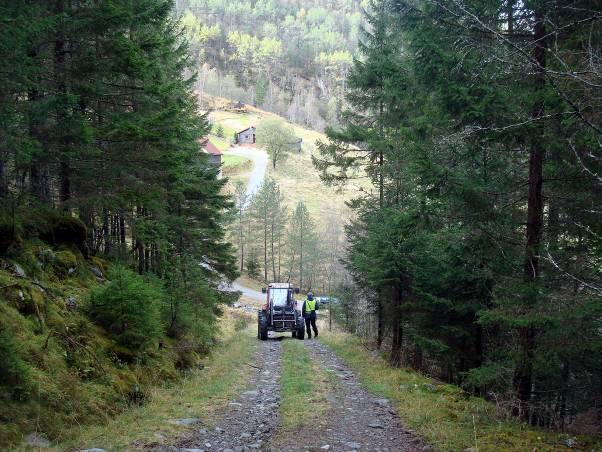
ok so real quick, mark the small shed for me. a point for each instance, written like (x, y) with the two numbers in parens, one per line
(214, 155)
(246, 136)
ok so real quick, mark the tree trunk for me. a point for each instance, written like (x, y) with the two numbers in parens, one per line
(272, 246)
(524, 370)
(3, 179)
(60, 74)
(301, 260)
(265, 249)
(380, 327)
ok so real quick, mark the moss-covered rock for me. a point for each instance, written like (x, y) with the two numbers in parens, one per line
(65, 260)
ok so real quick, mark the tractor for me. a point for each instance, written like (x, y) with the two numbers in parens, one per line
(280, 312)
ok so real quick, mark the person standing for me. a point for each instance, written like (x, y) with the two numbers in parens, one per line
(310, 306)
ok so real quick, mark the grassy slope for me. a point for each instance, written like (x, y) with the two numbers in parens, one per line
(296, 175)
(74, 389)
(444, 415)
(200, 394)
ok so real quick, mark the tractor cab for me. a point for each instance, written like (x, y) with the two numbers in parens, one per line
(280, 313)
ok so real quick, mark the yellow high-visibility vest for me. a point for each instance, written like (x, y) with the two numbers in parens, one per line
(310, 305)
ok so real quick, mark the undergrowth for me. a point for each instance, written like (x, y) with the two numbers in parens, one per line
(78, 349)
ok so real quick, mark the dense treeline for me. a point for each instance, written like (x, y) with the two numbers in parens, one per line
(291, 58)
(100, 150)
(478, 249)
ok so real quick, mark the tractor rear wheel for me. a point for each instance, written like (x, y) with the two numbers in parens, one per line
(262, 326)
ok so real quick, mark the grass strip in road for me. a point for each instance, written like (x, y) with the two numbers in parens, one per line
(197, 395)
(442, 414)
(304, 387)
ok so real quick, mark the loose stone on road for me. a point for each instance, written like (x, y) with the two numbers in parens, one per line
(249, 422)
(358, 420)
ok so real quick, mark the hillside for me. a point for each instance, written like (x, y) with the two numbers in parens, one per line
(290, 58)
(295, 175)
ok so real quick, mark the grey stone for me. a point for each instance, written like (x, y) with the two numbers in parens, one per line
(191, 450)
(570, 443)
(228, 450)
(71, 270)
(97, 272)
(186, 421)
(325, 447)
(94, 449)
(251, 393)
(37, 440)
(430, 387)
(21, 274)
(255, 445)
(353, 445)
(71, 303)
(245, 435)
(375, 424)
(382, 402)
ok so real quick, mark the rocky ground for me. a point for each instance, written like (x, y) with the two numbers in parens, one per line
(356, 421)
(251, 420)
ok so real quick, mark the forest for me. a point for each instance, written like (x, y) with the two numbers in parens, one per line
(477, 250)
(290, 58)
(99, 164)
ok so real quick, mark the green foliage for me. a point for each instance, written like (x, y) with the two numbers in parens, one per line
(268, 215)
(129, 308)
(15, 374)
(219, 131)
(463, 248)
(252, 264)
(277, 137)
(260, 50)
(303, 246)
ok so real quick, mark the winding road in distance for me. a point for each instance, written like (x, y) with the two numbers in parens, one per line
(260, 164)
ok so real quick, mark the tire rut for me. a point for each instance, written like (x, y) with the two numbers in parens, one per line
(359, 420)
(250, 421)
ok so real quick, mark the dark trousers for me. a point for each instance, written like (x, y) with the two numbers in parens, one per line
(311, 322)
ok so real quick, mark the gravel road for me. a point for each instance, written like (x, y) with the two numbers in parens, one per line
(249, 293)
(250, 421)
(260, 164)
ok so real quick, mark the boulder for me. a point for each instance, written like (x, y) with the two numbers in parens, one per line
(37, 440)
(18, 271)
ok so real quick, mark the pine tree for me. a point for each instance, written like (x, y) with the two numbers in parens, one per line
(302, 243)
